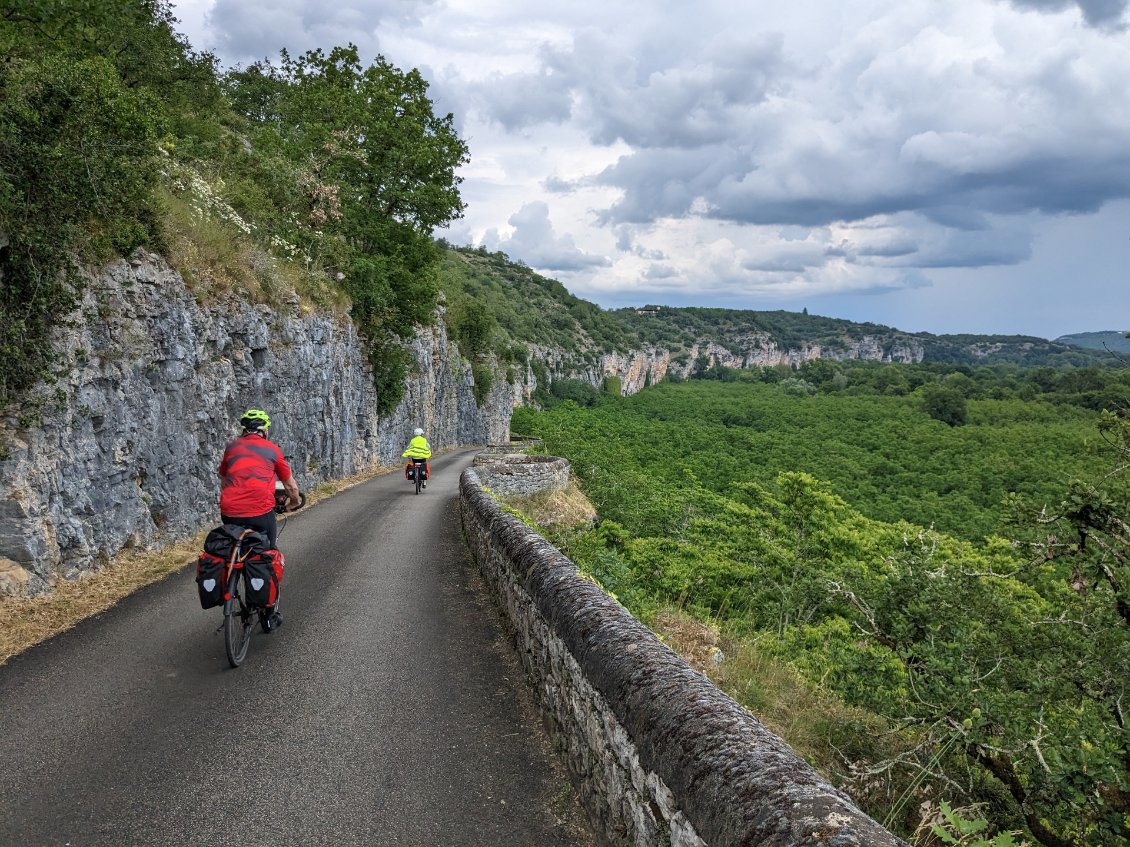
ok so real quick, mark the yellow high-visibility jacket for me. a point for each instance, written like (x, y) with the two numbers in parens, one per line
(418, 448)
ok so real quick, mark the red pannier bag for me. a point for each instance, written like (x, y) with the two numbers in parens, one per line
(262, 574)
(410, 471)
(211, 580)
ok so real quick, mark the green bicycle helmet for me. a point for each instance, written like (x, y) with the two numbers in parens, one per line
(254, 420)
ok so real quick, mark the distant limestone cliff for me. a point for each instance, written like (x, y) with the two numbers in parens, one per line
(507, 308)
(1114, 341)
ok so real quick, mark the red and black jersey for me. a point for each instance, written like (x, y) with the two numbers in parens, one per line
(248, 472)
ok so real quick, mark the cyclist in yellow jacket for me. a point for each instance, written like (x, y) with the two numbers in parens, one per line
(418, 453)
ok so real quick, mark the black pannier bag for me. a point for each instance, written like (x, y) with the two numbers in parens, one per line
(221, 541)
(219, 547)
(210, 571)
(262, 573)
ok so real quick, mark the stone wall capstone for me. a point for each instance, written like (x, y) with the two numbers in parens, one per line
(516, 475)
(659, 754)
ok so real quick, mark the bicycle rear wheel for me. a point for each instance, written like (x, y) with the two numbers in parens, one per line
(419, 477)
(238, 621)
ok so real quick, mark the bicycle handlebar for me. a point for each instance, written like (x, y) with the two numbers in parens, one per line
(282, 498)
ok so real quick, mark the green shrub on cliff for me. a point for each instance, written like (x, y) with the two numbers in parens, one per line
(319, 161)
(86, 91)
(371, 172)
(78, 164)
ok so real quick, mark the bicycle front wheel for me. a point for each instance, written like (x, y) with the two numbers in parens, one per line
(238, 621)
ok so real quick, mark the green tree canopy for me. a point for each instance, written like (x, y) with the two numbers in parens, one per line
(944, 403)
(371, 172)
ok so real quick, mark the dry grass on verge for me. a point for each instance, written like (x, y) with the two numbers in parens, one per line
(25, 621)
(783, 700)
(217, 261)
(813, 721)
(570, 507)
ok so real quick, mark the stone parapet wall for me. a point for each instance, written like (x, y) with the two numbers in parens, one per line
(659, 754)
(516, 475)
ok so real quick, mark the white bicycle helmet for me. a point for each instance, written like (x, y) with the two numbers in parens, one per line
(417, 431)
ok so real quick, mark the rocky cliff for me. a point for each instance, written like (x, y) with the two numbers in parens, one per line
(636, 369)
(640, 368)
(122, 451)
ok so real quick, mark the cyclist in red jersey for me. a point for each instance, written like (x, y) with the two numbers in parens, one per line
(247, 473)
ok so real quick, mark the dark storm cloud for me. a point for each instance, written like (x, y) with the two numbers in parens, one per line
(626, 243)
(616, 99)
(516, 101)
(957, 217)
(666, 182)
(891, 250)
(958, 249)
(1102, 13)
(557, 185)
(246, 30)
(776, 265)
(684, 105)
(728, 184)
(911, 280)
(659, 272)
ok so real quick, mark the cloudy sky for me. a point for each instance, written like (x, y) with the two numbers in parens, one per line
(944, 167)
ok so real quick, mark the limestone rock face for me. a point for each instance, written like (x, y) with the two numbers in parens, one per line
(640, 368)
(122, 451)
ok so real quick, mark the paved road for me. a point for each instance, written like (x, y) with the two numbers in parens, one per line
(386, 711)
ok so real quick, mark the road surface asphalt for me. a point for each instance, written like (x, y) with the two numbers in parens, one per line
(388, 709)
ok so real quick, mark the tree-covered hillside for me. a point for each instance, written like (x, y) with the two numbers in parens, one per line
(790, 330)
(798, 330)
(493, 303)
(500, 305)
(1112, 340)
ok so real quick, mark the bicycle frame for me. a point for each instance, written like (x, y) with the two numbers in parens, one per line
(239, 615)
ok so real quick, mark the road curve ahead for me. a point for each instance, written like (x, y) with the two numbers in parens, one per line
(388, 710)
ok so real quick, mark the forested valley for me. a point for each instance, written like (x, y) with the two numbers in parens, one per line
(917, 575)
